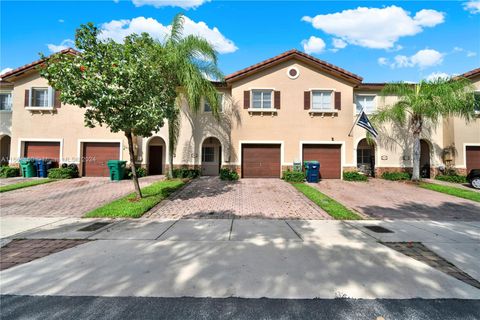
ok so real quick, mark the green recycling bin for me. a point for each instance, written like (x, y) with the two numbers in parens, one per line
(117, 169)
(28, 168)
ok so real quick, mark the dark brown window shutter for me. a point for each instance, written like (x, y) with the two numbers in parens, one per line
(27, 96)
(246, 99)
(57, 103)
(306, 100)
(276, 100)
(338, 100)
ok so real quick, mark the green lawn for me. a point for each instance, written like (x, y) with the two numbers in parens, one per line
(127, 207)
(24, 184)
(332, 207)
(457, 192)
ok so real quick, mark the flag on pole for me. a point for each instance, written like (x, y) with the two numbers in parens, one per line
(363, 122)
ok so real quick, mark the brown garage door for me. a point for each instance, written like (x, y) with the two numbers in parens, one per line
(473, 157)
(42, 150)
(329, 157)
(261, 161)
(95, 157)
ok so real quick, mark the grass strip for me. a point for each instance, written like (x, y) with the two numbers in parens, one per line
(332, 207)
(128, 207)
(24, 184)
(453, 191)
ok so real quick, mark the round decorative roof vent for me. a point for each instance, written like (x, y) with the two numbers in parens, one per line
(293, 73)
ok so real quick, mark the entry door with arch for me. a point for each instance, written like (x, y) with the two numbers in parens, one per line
(211, 157)
(155, 163)
(424, 159)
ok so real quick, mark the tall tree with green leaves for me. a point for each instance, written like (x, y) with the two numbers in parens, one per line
(120, 85)
(192, 62)
(425, 104)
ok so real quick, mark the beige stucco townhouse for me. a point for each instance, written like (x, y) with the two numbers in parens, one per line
(287, 109)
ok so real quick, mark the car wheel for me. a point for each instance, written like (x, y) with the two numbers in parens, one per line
(476, 182)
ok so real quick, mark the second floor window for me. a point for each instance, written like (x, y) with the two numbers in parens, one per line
(5, 101)
(208, 108)
(262, 99)
(366, 102)
(40, 97)
(477, 101)
(322, 100)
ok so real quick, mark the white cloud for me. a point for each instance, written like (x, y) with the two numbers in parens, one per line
(313, 45)
(184, 4)
(378, 28)
(427, 58)
(422, 59)
(338, 43)
(119, 29)
(437, 75)
(67, 43)
(472, 6)
(468, 53)
(61, 20)
(382, 61)
(5, 71)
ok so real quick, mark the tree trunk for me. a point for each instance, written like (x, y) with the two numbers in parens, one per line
(132, 164)
(416, 157)
(171, 147)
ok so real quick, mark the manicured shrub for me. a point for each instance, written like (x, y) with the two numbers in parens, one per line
(455, 178)
(293, 176)
(354, 176)
(9, 172)
(396, 176)
(65, 172)
(184, 173)
(228, 174)
(141, 172)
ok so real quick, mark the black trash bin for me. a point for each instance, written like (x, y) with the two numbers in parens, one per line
(313, 171)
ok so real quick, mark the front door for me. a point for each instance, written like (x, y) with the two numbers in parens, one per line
(155, 160)
(211, 159)
(424, 159)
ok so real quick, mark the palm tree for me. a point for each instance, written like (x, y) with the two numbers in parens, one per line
(425, 104)
(193, 62)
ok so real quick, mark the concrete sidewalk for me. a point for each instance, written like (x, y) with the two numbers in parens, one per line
(296, 259)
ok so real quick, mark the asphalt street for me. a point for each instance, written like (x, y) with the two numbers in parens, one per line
(78, 308)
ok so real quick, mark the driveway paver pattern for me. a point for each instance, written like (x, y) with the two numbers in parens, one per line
(396, 200)
(210, 197)
(22, 251)
(66, 198)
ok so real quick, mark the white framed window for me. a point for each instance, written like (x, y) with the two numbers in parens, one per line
(208, 108)
(41, 97)
(5, 100)
(322, 100)
(366, 102)
(262, 99)
(477, 101)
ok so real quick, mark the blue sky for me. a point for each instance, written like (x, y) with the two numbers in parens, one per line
(380, 41)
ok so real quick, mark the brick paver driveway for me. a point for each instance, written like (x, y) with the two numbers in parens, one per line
(209, 197)
(396, 200)
(66, 198)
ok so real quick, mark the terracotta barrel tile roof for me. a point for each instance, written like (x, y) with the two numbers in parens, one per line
(294, 54)
(34, 64)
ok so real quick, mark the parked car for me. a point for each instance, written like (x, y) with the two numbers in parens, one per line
(474, 178)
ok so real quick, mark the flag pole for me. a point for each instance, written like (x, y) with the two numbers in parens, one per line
(356, 120)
